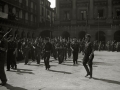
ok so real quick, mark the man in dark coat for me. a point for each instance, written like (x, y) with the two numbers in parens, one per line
(75, 49)
(47, 52)
(11, 62)
(88, 56)
(3, 47)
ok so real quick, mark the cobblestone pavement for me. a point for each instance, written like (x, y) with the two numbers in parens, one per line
(106, 75)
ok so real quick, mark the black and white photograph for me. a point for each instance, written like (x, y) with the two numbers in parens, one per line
(59, 44)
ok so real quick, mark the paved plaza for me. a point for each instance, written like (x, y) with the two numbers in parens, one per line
(65, 76)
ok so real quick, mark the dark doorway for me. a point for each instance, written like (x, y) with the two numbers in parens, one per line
(100, 36)
(117, 36)
(66, 35)
(46, 33)
(81, 35)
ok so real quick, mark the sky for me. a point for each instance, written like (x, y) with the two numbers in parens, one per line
(52, 3)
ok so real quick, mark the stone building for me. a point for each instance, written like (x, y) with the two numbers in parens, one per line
(26, 17)
(21, 15)
(46, 17)
(100, 18)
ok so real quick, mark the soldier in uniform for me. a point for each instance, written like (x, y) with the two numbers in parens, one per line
(88, 56)
(3, 48)
(11, 54)
(75, 49)
(47, 52)
(60, 52)
(25, 49)
(37, 51)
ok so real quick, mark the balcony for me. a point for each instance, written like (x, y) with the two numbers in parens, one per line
(13, 2)
(18, 22)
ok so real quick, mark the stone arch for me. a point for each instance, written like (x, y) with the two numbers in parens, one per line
(81, 35)
(117, 36)
(100, 36)
(66, 35)
(46, 33)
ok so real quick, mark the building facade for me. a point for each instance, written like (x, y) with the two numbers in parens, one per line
(100, 18)
(26, 17)
(46, 17)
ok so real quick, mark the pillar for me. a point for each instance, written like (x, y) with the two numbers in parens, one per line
(74, 12)
(109, 11)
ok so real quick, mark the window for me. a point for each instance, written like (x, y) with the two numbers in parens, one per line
(6, 8)
(67, 15)
(42, 11)
(20, 1)
(1, 9)
(100, 13)
(14, 10)
(83, 15)
(26, 2)
(32, 5)
(31, 17)
(35, 7)
(118, 12)
(20, 14)
(42, 2)
(26, 16)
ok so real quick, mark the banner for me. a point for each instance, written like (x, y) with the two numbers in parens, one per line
(3, 15)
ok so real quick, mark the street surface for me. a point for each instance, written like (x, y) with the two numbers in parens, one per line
(106, 75)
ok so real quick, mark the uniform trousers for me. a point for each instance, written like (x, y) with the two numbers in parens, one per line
(3, 77)
(90, 62)
(46, 59)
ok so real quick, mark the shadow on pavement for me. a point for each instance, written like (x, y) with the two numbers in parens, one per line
(41, 65)
(101, 63)
(108, 81)
(10, 87)
(61, 72)
(71, 65)
(21, 71)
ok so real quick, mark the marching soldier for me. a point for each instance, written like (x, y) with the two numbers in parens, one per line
(88, 56)
(60, 52)
(47, 52)
(25, 50)
(75, 50)
(38, 51)
(11, 54)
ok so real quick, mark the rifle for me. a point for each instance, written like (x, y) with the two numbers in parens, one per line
(10, 29)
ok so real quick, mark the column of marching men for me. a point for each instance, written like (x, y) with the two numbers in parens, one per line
(61, 49)
(38, 49)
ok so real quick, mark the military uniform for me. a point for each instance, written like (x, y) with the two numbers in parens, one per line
(11, 55)
(75, 48)
(88, 58)
(3, 47)
(47, 52)
(60, 52)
